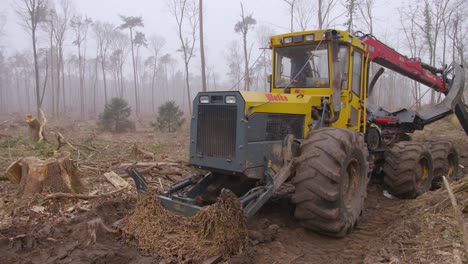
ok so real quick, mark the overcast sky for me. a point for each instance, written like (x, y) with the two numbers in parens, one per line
(220, 17)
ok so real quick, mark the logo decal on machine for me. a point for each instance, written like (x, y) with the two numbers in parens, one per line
(277, 97)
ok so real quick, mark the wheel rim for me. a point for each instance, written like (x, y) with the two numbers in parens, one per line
(352, 181)
(451, 166)
(424, 172)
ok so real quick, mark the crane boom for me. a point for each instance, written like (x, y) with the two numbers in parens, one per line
(423, 73)
(409, 67)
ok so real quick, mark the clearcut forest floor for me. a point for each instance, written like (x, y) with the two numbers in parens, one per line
(37, 230)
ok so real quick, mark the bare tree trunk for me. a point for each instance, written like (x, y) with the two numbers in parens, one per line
(104, 79)
(26, 90)
(188, 88)
(246, 63)
(202, 47)
(57, 102)
(81, 73)
(36, 72)
(52, 80)
(137, 110)
(95, 83)
(152, 88)
(320, 18)
(122, 84)
(62, 63)
(138, 78)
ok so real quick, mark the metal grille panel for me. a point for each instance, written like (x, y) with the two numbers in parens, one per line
(216, 131)
(280, 125)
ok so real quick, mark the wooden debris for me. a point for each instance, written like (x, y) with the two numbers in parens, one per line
(213, 260)
(14, 171)
(35, 174)
(137, 151)
(148, 164)
(62, 142)
(81, 196)
(458, 214)
(93, 225)
(116, 180)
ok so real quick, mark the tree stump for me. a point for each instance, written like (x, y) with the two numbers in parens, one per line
(35, 175)
(36, 128)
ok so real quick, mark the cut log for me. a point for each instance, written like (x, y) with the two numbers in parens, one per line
(149, 164)
(35, 175)
(116, 180)
(137, 151)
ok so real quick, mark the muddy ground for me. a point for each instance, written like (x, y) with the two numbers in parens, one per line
(40, 230)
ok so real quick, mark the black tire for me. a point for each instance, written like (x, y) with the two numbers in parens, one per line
(331, 181)
(408, 169)
(446, 161)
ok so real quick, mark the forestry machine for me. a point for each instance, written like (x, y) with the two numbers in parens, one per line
(316, 130)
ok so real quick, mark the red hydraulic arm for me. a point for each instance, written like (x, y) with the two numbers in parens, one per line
(411, 68)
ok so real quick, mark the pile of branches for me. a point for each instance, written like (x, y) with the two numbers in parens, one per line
(439, 200)
(216, 230)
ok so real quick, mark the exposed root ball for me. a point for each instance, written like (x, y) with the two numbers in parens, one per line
(219, 229)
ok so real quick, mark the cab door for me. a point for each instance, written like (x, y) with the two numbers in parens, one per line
(356, 93)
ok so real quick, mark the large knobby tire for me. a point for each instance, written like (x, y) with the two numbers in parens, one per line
(331, 181)
(446, 161)
(408, 169)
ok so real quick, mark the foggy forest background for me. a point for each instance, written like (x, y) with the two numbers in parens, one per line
(75, 63)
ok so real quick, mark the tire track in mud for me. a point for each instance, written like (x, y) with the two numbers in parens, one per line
(296, 243)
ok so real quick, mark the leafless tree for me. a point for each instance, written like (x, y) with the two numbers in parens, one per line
(104, 33)
(202, 47)
(120, 50)
(186, 15)
(243, 27)
(60, 18)
(234, 61)
(48, 27)
(366, 10)
(431, 23)
(303, 13)
(324, 9)
(130, 23)
(350, 6)
(166, 61)
(156, 44)
(80, 27)
(291, 6)
(139, 41)
(459, 33)
(264, 34)
(95, 79)
(20, 66)
(408, 18)
(31, 13)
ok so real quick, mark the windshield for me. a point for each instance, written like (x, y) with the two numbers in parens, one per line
(302, 66)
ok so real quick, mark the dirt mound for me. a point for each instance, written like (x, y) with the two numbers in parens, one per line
(217, 230)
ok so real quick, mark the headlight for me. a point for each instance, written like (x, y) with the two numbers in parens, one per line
(230, 99)
(309, 37)
(287, 40)
(204, 99)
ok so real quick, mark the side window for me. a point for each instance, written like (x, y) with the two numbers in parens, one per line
(343, 57)
(357, 72)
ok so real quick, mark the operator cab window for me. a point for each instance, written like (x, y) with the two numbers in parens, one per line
(302, 66)
(357, 72)
(343, 57)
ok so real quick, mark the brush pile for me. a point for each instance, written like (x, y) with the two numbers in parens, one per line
(216, 230)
